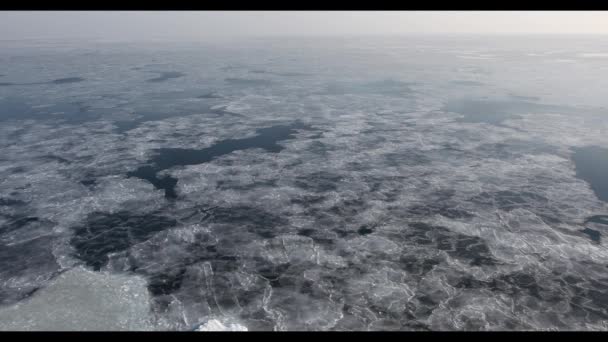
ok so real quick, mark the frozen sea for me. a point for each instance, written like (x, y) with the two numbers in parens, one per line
(363, 183)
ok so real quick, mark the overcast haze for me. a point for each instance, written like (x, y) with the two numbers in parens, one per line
(211, 24)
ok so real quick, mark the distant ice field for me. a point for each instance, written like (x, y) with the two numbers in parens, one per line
(413, 183)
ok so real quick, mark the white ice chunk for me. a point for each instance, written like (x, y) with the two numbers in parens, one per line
(217, 325)
(83, 300)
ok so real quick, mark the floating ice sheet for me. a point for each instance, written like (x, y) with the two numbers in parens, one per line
(82, 300)
(419, 191)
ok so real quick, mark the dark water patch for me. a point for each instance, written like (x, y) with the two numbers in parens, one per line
(9, 202)
(67, 80)
(306, 232)
(469, 282)
(57, 81)
(32, 260)
(13, 108)
(481, 111)
(512, 284)
(105, 233)
(291, 74)
(508, 200)
(231, 67)
(173, 95)
(273, 272)
(88, 182)
(209, 96)
(21, 222)
(598, 222)
(473, 248)
(548, 215)
(580, 292)
(248, 82)
(387, 87)
(68, 108)
(583, 296)
(285, 74)
(417, 264)
(593, 234)
(16, 169)
(320, 181)
(251, 219)
(430, 209)
(592, 166)
(470, 248)
(318, 147)
(348, 208)
(439, 203)
(525, 98)
(442, 195)
(71, 113)
(154, 66)
(56, 159)
(166, 158)
(601, 219)
(160, 112)
(221, 111)
(167, 109)
(494, 111)
(466, 83)
(166, 183)
(165, 75)
(266, 138)
(64, 112)
(407, 157)
(343, 233)
(307, 200)
(218, 291)
(195, 214)
(234, 185)
(166, 283)
(173, 275)
(365, 230)
(383, 130)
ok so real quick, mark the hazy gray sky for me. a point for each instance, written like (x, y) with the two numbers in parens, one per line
(209, 24)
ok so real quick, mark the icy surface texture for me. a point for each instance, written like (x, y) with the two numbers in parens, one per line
(416, 183)
(80, 299)
(216, 325)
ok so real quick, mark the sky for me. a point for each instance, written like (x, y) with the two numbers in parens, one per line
(201, 25)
